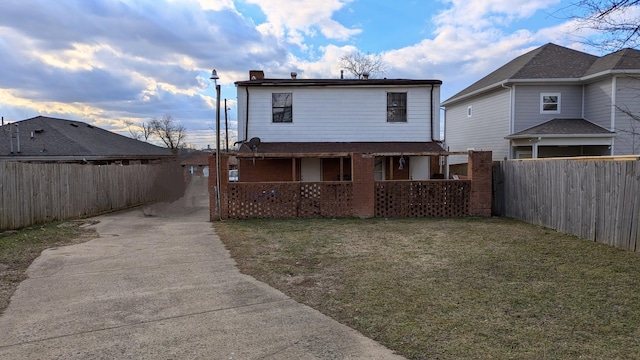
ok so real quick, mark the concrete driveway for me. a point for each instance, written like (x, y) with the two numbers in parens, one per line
(159, 284)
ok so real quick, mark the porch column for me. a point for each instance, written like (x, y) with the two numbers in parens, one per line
(480, 172)
(363, 182)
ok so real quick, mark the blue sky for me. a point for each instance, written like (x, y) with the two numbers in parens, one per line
(108, 62)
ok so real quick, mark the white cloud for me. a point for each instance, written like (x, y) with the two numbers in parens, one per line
(478, 14)
(294, 20)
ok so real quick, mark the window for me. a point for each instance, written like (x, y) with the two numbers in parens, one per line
(469, 111)
(396, 107)
(282, 107)
(550, 103)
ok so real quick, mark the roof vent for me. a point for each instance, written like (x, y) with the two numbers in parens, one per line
(294, 75)
(365, 75)
(74, 124)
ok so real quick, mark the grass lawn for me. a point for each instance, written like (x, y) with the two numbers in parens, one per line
(19, 248)
(452, 288)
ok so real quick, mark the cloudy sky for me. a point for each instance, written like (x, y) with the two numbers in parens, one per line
(108, 62)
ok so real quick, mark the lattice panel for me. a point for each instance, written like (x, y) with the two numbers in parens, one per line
(337, 200)
(290, 200)
(263, 200)
(441, 198)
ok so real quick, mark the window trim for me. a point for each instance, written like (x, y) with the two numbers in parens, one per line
(558, 103)
(390, 107)
(284, 108)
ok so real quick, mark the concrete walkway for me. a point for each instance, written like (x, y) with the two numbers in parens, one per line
(159, 284)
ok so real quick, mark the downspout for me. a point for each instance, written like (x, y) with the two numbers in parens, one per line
(432, 115)
(246, 120)
(614, 101)
(11, 137)
(18, 137)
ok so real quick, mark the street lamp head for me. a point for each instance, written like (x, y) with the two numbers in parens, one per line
(214, 75)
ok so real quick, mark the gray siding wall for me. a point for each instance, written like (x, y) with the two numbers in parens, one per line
(527, 100)
(627, 140)
(484, 130)
(597, 103)
(339, 114)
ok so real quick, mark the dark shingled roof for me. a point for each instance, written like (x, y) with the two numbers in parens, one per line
(69, 138)
(343, 147)
(337, 82)
(552, 61)
(564, 127)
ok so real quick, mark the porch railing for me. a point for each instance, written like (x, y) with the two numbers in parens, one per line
(290, 200)
(430, 198)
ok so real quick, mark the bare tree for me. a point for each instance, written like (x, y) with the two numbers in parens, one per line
(142, 131)
(359, 64)
(171, 133)
(611, 18)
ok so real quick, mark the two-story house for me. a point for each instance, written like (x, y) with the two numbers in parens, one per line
(550, 102)
(308, 128)
(343, 148)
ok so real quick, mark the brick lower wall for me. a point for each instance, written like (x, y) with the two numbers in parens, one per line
(264, 170)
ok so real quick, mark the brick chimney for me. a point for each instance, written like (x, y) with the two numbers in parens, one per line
(256, 75)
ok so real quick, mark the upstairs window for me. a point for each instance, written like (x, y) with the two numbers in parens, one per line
(282, 107)
(396, 107)
(550, 103)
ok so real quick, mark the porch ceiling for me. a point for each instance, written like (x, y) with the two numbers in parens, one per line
(341, 149)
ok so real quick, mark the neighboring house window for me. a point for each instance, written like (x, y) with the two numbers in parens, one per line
(396, 107)
(469, 111)
(550, 103)
(282, 106)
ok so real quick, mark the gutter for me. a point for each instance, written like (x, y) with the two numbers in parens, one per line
(556, 136)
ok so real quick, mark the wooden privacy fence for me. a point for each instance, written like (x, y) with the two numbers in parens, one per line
(598, 200)
(290, 200)
(437, 198)
(38, 193)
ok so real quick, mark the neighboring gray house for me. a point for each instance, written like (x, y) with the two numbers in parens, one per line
(45, 139)
(550, 102)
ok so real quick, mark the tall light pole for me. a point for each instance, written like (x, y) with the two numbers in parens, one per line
(215, 77)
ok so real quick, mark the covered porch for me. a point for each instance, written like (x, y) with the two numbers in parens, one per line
(561, 138)
(350, 184)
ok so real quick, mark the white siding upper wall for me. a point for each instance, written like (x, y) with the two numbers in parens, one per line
(343, 114)
(484, 130)
(597, 103)
(527, 109)
(627, 140)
